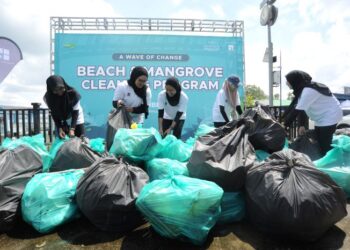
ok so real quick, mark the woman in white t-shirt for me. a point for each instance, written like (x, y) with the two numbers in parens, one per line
(64, 104)
(316, 101)
(227, 102)
(172, 105)
(134, 94)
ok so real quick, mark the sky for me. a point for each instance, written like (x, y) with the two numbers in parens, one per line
(310, 35)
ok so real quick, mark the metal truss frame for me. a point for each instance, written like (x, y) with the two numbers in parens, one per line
(139, 25)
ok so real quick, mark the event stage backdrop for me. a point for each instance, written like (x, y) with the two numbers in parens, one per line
(95, 63)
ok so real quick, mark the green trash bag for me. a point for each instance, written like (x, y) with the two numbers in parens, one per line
(203, 129)
(336, 163)
(175, 149)
(161, 168)
(35, 142)
(136, 144)
(261, 155)
(98, 145)
(190, 141)
(232, 208)
(48, 199)
(181, 207)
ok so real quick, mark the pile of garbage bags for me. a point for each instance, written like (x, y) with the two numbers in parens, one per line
(243, 170)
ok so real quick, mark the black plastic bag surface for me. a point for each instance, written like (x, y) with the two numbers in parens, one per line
(268, 134)
(107, 193)
(74, 154)
(223, 155)
(117, 118)
(286, 196)
(308, 145)
(17, 167)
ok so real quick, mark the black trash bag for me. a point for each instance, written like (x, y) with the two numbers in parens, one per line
(268, 134)
(107, 193)
(308, 145)
(223, 155)
(117, 118)
(287, 197)
(73, 154)
(17, 167)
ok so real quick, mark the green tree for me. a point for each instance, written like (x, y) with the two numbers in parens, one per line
(276, 96)
(253, 93)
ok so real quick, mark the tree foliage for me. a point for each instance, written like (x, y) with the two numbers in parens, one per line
(253, 93)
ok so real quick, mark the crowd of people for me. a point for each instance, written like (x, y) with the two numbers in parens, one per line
(311, 100)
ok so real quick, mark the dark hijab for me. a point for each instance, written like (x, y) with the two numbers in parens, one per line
(299, 80)
(173, 82)
(61, 106)
(140, 92)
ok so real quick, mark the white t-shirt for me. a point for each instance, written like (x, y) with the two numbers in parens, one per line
(323, 110)
(221, 100)
(127, 94)
(78, 107)
(169, 110)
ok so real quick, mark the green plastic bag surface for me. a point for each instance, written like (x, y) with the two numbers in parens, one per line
(181, 207)
(175, 149)
(203, 129)
(161, 168)
(98, 145)
(48, 199)
(336, 163)
(136, 144)
(232, 208)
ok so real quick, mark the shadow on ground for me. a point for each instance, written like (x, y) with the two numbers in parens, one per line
(147, 239)
(245, 232)
(82, 232)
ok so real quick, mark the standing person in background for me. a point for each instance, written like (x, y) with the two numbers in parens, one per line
(319, 104)
(227, 102)
(64, 103)
(134, 94)
(172, 105)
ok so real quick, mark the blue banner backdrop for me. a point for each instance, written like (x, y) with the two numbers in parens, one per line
(95, 63)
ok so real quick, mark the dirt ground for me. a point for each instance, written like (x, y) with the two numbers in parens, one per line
(80, 234)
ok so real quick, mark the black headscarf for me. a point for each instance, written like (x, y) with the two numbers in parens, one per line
(140, 92)
(299, 80)
(61, 106)
(173, 82)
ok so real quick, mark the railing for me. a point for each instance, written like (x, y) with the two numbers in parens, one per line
(278, 112)
(31, 121)
(22, 122)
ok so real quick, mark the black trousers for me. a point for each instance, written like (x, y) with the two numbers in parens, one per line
(177, 129)
(324, 137)
(219, 124)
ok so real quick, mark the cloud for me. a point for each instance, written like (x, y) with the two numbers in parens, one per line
(312, 35)
(28, 24)
(218, 11)
(318, 42)
(189, 14)
(176, 2)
